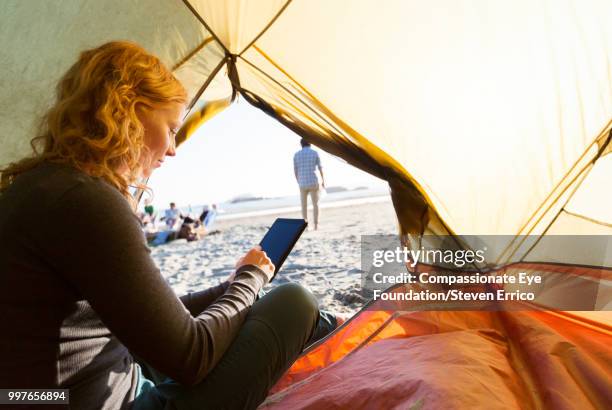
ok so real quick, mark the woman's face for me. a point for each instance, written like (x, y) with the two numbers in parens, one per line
(161, 126)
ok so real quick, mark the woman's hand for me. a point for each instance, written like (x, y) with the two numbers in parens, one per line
(258, 258)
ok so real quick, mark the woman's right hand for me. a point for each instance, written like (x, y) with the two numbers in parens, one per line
(258, 258)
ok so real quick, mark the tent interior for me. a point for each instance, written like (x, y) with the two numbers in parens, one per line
(486, 118)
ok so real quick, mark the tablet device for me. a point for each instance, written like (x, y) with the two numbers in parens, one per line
(281, 238)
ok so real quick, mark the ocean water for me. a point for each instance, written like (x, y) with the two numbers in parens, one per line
(287, 204)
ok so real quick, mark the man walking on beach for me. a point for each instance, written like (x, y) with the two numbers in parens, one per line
(304, 163)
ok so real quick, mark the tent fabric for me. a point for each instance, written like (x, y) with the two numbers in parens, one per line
(485, 118)
(422, 95)
(517, 93)
(388, 357)
(457, 360)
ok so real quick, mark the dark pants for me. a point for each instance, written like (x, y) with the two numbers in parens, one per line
(276, 330)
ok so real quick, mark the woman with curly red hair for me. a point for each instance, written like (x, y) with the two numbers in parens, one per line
(80, 295)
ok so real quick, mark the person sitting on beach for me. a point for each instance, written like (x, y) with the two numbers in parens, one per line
(98, 318)
(149, 210)
(172, 215)
(147, 217)
(203, 215)
(208, 215)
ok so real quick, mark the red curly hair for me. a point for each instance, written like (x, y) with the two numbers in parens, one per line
(93, 124)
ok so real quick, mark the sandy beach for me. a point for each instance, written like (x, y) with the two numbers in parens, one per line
(326, 261)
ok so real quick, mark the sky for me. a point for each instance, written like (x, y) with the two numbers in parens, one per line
(242, 151)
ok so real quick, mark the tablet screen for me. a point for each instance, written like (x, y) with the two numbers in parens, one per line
(280, 239)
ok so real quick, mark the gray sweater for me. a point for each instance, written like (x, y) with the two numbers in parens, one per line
(78, 288)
